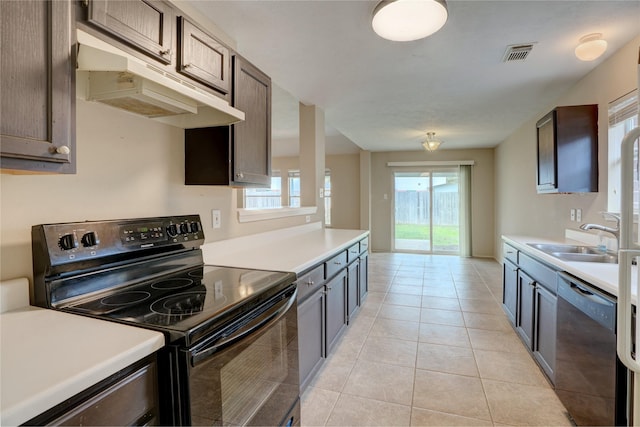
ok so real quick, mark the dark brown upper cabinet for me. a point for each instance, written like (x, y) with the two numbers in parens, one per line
(202, 57)
(567, 149)
(144, 24)
(240, 154)
(37, 124)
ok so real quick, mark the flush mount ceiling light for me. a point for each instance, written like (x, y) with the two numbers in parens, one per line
(407, 20)
(591, 47)
(431, 143)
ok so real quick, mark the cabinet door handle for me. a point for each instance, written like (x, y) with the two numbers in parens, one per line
(185, 66)
(310, 283)
(240, 175)
(337, 262)
(329, 288)
(168, 52)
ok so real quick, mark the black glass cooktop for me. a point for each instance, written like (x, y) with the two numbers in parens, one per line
(188, 304)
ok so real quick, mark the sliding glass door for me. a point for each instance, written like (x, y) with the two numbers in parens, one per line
(427, 211)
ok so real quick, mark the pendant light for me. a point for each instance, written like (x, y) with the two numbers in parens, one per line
(431, 143)
(407, 20)
(591, 47)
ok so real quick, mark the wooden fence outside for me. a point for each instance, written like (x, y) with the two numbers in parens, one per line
(412, 207)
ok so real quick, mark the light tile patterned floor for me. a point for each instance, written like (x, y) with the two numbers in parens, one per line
(431, 346)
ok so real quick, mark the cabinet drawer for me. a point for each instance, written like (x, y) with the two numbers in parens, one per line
(128, 397)
(510, 253)
(353, 252)
(364, 245)
(335, 264)
(542, 274)
(309, 282)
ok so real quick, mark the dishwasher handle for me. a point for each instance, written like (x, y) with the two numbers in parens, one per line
(263, 320)
(593, 303)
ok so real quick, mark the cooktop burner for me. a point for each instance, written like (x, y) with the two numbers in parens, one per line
(178, 283)
(125, 298)
(187, 302)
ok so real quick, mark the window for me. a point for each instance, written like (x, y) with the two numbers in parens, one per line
(623, 116)
(294, 188)
(265, 198)
(327, 197)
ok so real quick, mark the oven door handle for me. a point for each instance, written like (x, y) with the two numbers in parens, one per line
(265, 320)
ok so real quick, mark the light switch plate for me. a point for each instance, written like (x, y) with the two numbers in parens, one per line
(573, 214)
(215, 218)
(579, 215)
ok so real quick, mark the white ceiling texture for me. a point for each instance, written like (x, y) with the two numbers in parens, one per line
(385, 96)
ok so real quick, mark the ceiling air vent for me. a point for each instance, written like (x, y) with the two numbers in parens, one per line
(517, 52)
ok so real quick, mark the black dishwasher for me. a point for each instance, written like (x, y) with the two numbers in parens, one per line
(591, 381)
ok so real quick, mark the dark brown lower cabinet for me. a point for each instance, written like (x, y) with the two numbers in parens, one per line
(129, 397)
(336, 318)
(510, 289)
(329, 294)
(311, 318)
(353, 274)
(525, 318)
(544, 349)
(530, 302)
(363, 277)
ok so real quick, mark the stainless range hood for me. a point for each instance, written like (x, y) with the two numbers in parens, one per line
(108, 75)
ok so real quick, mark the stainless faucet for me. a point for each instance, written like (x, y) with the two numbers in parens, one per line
(615, 231)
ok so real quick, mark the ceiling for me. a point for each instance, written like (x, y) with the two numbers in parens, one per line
(385, 96)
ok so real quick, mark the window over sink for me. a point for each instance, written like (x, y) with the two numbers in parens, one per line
(623, 116)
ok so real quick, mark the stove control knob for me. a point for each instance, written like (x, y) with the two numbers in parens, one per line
(172, 230)
(195, 227)
(90, 239)
(184, 228)
(68, 242)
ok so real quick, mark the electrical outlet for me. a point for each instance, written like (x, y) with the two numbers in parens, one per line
(215, 218)
(307, 218)
(579, 215)
(321, 192)
(573, 214)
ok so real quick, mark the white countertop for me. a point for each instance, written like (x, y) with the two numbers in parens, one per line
(294, 249)
(48, 356)
(601, 275)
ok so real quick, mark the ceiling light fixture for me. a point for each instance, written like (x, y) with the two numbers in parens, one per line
(431, 143)
(407, 20)
(591, 47)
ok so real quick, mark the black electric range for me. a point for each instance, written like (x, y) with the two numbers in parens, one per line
(189, 304)
(149, 273)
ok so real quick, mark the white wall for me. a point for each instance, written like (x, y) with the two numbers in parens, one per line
(345, 186)
(127, 167)
(519, 209)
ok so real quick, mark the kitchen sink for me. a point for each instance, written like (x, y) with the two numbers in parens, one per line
(579, 253)
(565, 249)
(586, 257)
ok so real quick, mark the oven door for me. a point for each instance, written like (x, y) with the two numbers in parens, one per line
(248, 374)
